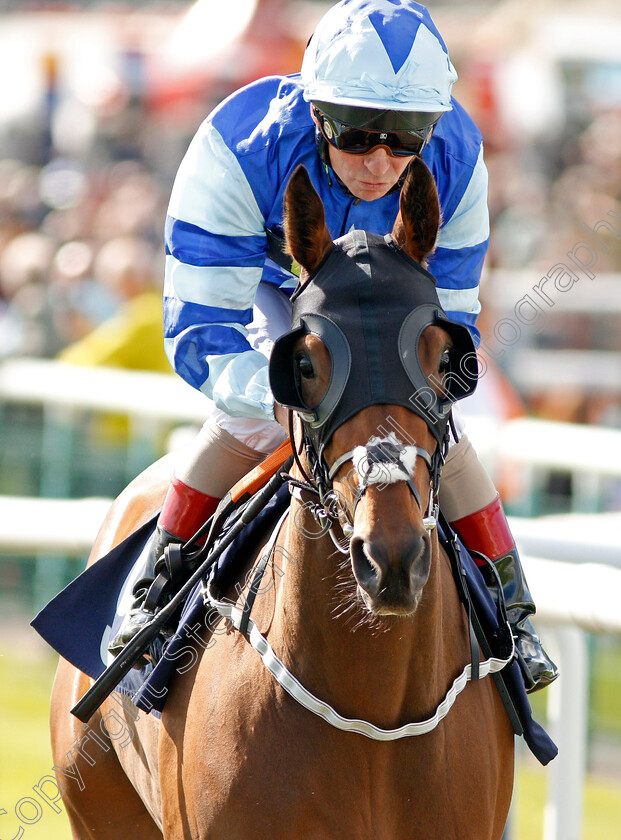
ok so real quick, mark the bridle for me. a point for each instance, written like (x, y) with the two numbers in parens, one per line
(320, 484)
(380, 457)
(385, 454)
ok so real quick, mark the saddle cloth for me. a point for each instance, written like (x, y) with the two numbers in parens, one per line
(80, 620)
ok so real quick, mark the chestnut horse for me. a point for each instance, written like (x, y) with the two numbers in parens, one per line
(377, 633)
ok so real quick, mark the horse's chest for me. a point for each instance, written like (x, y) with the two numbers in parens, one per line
(290, 775)
(266, 767)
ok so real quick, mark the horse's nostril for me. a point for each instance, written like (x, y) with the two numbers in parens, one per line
(416, 561)
(412, 550)
(393, 573)
(366, 571)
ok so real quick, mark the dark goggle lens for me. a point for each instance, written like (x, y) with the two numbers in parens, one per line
(359, 141)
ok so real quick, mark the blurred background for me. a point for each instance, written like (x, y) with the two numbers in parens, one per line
(98, 102)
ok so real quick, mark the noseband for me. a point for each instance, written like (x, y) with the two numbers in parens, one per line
(387, 461)
(380, 462)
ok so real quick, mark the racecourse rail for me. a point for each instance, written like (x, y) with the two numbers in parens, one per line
(573, 596)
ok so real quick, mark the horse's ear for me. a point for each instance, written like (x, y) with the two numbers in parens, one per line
(307, 236)
(416, 226)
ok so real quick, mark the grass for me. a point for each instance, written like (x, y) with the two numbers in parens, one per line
(25, 682)
(606, 665)
(602, 805)
(25, 754)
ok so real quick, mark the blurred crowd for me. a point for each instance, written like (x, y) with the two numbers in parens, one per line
(76, 247)
(85, 176)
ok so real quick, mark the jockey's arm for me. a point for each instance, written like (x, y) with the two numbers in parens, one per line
(215, 252)
(461, 247)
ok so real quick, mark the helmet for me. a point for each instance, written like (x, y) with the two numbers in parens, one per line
(381, 54)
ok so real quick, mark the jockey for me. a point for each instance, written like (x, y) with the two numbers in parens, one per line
(374, 91)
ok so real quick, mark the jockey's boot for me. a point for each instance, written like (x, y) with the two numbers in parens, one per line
(184, 511)
(487, 532)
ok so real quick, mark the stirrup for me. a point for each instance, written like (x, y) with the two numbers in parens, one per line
(538, 670)
(148, 593)
(486, 533)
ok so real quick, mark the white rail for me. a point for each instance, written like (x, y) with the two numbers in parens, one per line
(567, 706)
(584, 450)
(593, 450)
(571, 537)
(536, 443)
(153, 404)
(137, 394)
(67, 527)
(571, 598)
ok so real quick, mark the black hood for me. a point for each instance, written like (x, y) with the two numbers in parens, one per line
(369, 303)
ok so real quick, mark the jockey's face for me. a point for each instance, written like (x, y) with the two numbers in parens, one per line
(372, 174)
(368, 176)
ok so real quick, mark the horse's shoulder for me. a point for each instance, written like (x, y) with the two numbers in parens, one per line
(142, 497)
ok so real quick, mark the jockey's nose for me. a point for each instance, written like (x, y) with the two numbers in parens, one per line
(377, 161)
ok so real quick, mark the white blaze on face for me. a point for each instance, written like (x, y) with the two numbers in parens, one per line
(384, 460)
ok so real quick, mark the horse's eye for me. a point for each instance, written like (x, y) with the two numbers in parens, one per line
(305, 367)
(445, 360)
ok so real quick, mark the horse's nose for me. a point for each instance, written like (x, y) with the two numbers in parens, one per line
(391, 573)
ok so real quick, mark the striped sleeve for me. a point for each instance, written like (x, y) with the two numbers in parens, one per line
(461, 247)
(215, 252)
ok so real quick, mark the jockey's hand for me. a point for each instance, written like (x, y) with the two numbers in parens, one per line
(282, 415)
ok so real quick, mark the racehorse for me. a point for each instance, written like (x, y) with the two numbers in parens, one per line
(358, 603)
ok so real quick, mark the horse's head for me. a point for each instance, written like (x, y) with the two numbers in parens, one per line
(372, 366)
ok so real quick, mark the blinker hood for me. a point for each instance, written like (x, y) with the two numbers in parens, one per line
(369, 302)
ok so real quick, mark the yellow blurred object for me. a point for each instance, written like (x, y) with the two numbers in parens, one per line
(131, 339)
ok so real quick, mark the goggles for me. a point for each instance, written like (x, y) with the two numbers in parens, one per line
(359, 141)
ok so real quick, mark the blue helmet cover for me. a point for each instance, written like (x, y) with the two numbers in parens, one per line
(385, 54)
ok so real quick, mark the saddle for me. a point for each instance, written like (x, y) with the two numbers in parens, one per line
(179, 560)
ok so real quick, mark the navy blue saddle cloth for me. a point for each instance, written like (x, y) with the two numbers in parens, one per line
(82, 618)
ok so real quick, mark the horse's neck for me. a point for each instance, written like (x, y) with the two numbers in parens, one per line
(361, 664)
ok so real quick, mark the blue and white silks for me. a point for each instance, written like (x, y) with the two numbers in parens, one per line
(229, 190)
